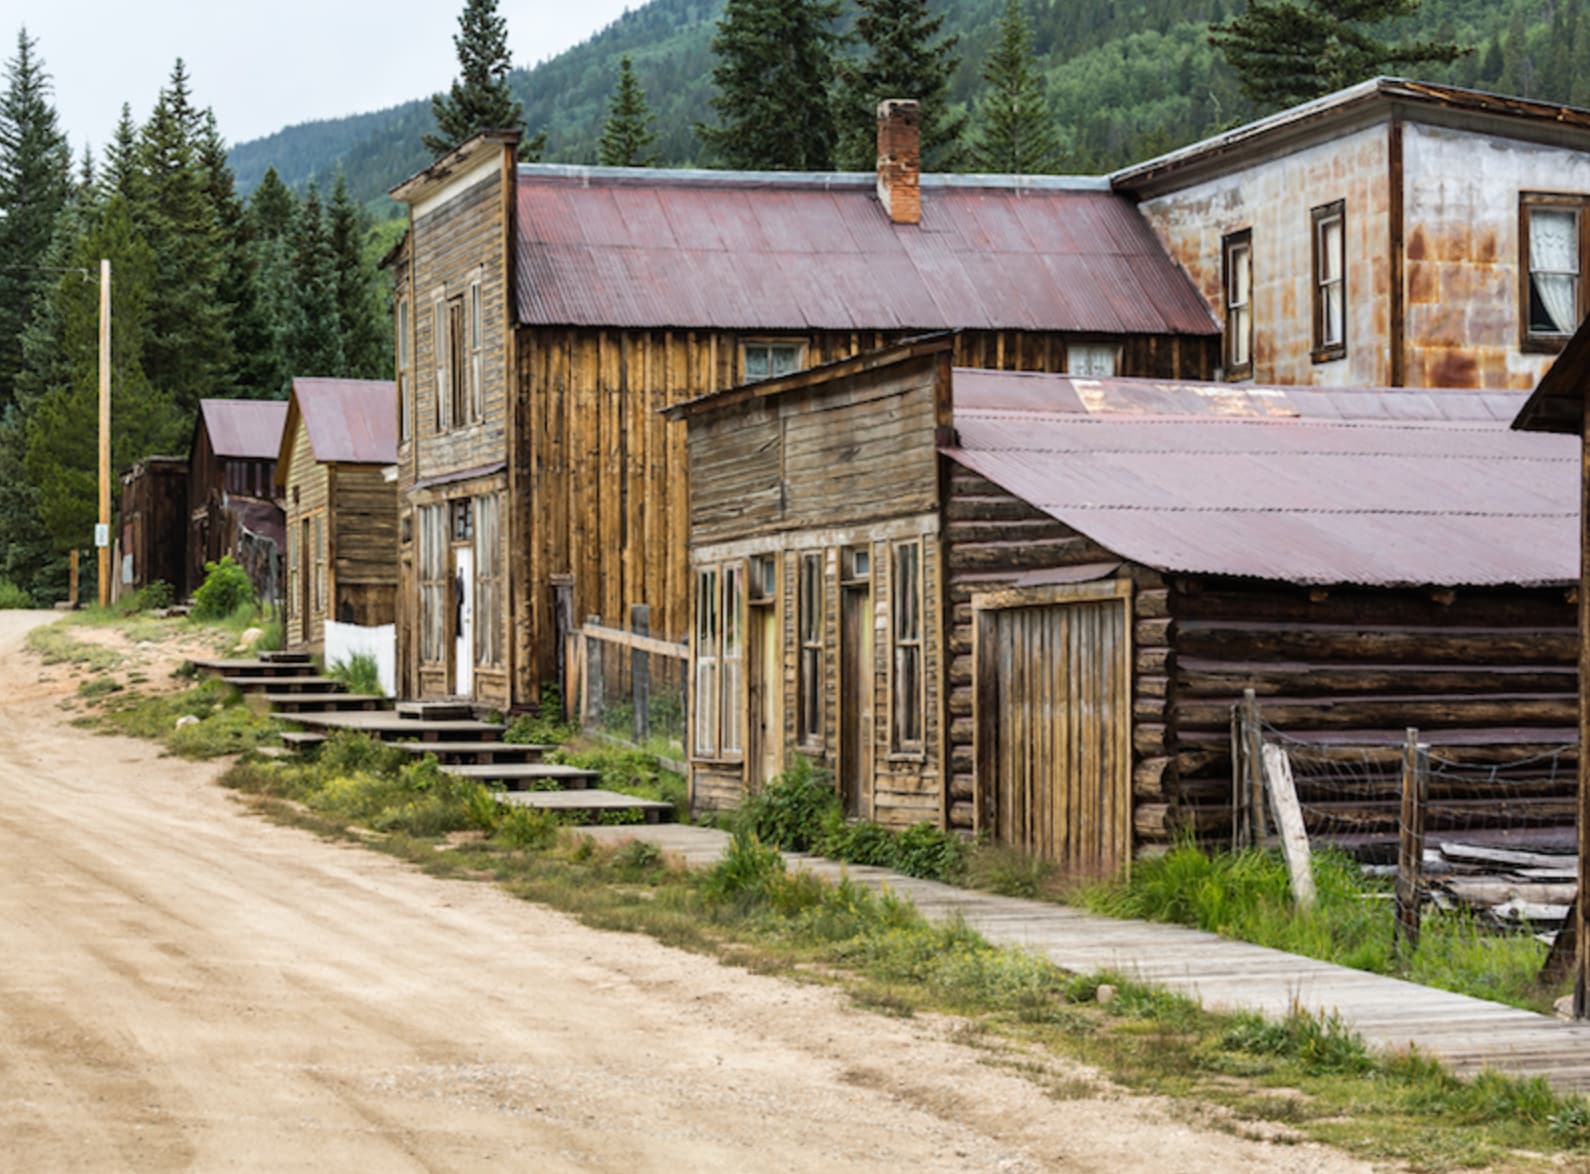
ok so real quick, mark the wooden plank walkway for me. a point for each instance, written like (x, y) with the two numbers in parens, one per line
(1468, 1034)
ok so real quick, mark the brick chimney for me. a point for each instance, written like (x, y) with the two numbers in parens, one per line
(900, 159)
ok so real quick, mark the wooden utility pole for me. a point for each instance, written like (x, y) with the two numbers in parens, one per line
(102, 533)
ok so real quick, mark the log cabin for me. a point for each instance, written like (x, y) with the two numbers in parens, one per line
(544, 315)
(1025, 603)
(333, 478)
(1393, 234)
(231, 485)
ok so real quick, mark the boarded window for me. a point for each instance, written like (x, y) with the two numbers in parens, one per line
(1095, 360)
(810, 727)
(405, 386)
(459, 362)
(1237, 250)
(433, 584)
(477, 335)
(733, 660)
(769, 360)
(488, 580)
(906, 601)
(706, 651)
(1330, 282)
(439, 355)
(1553, 240)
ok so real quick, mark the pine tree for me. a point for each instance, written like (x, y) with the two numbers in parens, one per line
(627, 132)
(35, 182)
(361, 322)
(1579, 60)
(273, 231)
(123, 170)
(238, 285)
(315, 345)
(1518, 71)
(775, 62)
(904, 58)
(1015, 132)
(1289, 51)
(480, 98)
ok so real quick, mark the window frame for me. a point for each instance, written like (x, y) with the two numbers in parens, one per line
(906, 645)
(731, 662)
(1320, 218)
(486, 541)
(706, 688)
(476, 327)
(770, 345)
(443, 397)
(1231, 241)
(1541, 342)
(1094, 345)
(322, 587)
(433, 543)
(811, 703)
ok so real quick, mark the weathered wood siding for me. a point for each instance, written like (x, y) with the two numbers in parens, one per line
(308, 496)
(154, 498)
(364, 546)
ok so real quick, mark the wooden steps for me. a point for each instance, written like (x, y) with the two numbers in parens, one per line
(290, 704)
(251, 667)
(388, 727)
(591, 803)
(524, 776)
(307, 684)
(435, 711)
(476, 752)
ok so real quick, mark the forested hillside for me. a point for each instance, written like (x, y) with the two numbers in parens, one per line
(1126, 78)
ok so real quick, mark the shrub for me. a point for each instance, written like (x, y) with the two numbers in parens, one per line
(544, 726)
(528, 827)
(12, 596)
(742, 876)
(225, 589)
(793, 810)
(360, 673)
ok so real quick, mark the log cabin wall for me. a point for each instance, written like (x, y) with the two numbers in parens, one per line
(833, 488)
(604, 496)
(363, 537)
(306, 501)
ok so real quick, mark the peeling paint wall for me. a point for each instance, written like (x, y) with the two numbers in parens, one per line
(1274, 200)
(1463, 253)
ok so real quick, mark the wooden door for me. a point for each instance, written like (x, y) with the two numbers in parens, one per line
(464, 621)
(1054, 727)
(306, 574)
(855, 700)
(765, 725)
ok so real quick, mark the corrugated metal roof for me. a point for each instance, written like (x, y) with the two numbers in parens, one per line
(248, 429)
(351, 421)
(1301, 498)
(704, 250)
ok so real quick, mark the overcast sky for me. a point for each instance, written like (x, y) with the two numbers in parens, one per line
(265, 64)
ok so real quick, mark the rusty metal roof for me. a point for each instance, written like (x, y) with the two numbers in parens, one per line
(249, 429)
(350, 421)
(718, 250)
(1310, 497)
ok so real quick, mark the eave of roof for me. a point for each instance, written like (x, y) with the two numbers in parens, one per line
(1557, 403)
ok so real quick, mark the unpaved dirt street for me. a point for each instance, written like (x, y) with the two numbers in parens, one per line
(185, 986)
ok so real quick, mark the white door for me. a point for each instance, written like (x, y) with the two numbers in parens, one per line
(464, 638)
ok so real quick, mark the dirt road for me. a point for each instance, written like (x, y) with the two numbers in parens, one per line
(184, 986)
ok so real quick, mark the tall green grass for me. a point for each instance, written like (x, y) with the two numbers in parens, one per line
(359, 672)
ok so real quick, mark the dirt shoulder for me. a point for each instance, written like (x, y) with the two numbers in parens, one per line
(187, 986)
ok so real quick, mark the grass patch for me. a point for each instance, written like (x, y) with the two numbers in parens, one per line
(225, 722)
(544, 727)
(360, 673)
(629, 772)
(1247, 896)
(55, 644)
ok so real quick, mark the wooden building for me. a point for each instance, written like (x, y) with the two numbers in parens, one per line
(1393, 234)
(154, 494)
(333, 477)
(231, 481)
(1065, 584)
(545, 315)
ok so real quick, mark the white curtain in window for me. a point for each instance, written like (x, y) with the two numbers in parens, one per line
(1554, 265)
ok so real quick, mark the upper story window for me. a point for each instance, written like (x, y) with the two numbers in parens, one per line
(906, 599)
(768, 360)
(477, 336)
(1092, 359)
(1553, 244)
(457, 345)
(1330, 281)
(809, 632)
(1237, 254)
(405, 384)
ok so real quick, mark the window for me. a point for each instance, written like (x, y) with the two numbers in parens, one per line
(733, 658)
(810, 606)
(404, 383)
(1237, 250)
(439, 356)
(1330, 282)
(433, 584)
(1092, 359)
(458, 365)
(768, 360)
(707, 632)
(763, 583)
(463, 519)
(488, 580)
(906, 600)
(320, 562)
(1553, 232)
(294, 558)
(476, 354)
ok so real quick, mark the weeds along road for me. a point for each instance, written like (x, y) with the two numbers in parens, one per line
(186, 986)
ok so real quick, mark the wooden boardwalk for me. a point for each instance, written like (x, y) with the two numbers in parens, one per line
(1468, 1034)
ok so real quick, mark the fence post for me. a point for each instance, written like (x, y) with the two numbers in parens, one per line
(594, 701)
(1410, 840)
(562, 625)
(1254, 754)
(640, 672)
(71, 580)
(1239, 776)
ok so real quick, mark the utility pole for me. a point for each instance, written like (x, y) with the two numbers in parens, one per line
(102, 531)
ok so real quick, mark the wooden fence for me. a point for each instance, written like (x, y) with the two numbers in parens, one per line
(629, 687)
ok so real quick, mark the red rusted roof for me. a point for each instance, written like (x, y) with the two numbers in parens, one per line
(795, 252)
(350, 421)
(1356, 487)
(249, 429)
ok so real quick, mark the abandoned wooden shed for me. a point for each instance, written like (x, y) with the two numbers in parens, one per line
(154, 495)
(231, 483)
(1093, 571)
(546, 313)
(334, 481)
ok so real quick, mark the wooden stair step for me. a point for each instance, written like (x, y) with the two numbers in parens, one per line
(388, 727)
(286, 684)
(289, 703)
(517, 776)
(248, 667)
(302, 739)
(591, 803)
(482, 752)
(283, 657)
(435, 710)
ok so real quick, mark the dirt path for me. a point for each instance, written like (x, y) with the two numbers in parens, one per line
(184, 986)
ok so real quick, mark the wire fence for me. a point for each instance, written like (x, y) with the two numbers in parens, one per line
(630, 688)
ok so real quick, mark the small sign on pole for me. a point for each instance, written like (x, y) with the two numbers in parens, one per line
(101, 534)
